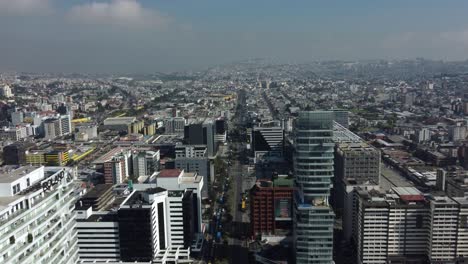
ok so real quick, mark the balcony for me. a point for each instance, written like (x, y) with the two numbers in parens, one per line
(18, 218)
(46, 232)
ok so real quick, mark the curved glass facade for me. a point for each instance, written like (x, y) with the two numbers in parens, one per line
(313, 171)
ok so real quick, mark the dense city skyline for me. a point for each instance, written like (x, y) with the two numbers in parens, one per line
(216, 132)
(147, 36)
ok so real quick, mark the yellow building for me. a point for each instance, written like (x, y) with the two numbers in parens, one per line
(56, 158)
(150, 129)
(81, 155)
(136, 127)
(35, 158)
(81, 120)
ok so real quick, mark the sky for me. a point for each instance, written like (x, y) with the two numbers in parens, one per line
(145, 36)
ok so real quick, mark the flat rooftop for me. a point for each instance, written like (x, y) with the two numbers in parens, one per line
(6, 200)
(191, 177)
(391, 178)
(119, 120)
(169, 173)
(167, 139)
(97, 191)
(137, 198)
(9, 174)
(108, 156)
(109, 217)
(344, 135)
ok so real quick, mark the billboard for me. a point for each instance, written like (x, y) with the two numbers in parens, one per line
(283, 209)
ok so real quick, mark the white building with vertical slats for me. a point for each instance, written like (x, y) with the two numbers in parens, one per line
(409, 226)
(36, 219)
(98, 236)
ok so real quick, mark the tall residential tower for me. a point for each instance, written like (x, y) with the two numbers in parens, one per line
(313, 169)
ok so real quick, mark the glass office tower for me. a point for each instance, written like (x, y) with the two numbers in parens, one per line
(313, 171)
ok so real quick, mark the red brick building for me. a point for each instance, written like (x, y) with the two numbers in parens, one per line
(271, 206)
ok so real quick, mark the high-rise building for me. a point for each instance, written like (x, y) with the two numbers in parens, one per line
(422, 135)
(457, 133)
(313, 171)
(178, 180)
(193, 158)
(115, 165)
(392, 227)
(145, 163)
(141, 234)
(201, 133)
(52, 128)
(463, 155)
(267, 142)
(357, 165)
(209, 132)
(341, 117)
(65, 124)
(174, 125)
(194, 135)
(407, 226)
(57, 126)
(36, 218)
(409, 98)
(117, 169)
(17, 117)
(12, 133)
(221, 131)
(148, 224)
(6, 92)
(357, 162)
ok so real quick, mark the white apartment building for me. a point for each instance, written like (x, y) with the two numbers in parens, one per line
(12, 133)
(36, 218)
(407, 225)
(98, 236)
(179, 180)
(175, 125)
(457, 133)
(6, 91)
(145, 162)
(57, 126)
(144, 225)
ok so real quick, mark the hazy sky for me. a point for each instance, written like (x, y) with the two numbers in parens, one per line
(166, 35)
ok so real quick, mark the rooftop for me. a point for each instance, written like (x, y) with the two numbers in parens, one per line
(119, 120)
(409, 194)
(167, 139)
(169, 173)
(175, 193)
(109, 217)
(98, 191)
(9, 174)
(344, 135)
(108, 156)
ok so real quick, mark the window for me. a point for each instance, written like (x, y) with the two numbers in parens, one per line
(16, 189)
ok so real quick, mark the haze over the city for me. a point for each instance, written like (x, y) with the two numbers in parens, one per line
(147, 36)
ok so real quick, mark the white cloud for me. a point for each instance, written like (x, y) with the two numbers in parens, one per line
(128, 13)
(25, 7)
